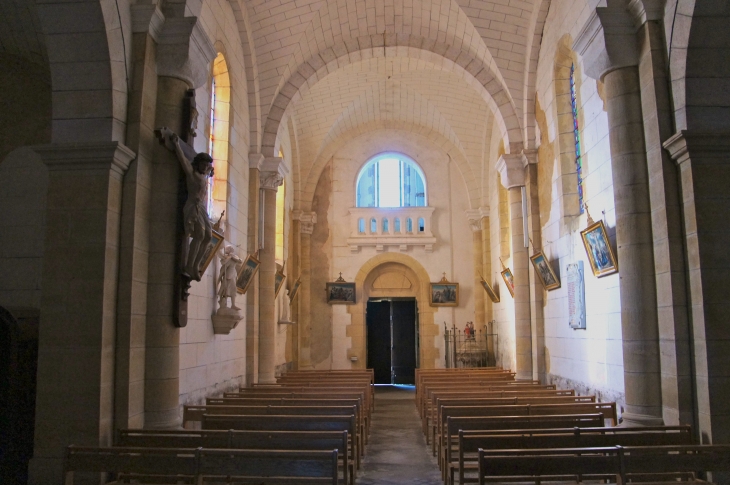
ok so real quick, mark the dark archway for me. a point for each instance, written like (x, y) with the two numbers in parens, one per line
(18, 365)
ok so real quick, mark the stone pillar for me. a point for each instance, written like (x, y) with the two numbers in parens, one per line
(75, 393)
(666, 217)
(306, 227)
(608, 44)
(487, 272)
(475, 221)
(272, 176)
(183, 55)
(255, 160)
(704, 171)
(512, 174)
(537, 290)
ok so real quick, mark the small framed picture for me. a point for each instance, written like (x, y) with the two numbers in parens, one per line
(294, 289)
(544, 271)
(490, 291)
(341, 293)
(601, 256)
(444, 293)
(213, 246)
(279, 278)
(246, 273)
(509, 280)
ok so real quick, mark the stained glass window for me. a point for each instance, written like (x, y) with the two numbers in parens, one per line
(576, 135)
(211, 143)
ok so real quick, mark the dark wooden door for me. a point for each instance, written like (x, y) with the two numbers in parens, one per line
(404, 341)
(379, 343)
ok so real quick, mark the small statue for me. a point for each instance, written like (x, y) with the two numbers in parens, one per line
(469, 331)
(196, 222)
(227, 280)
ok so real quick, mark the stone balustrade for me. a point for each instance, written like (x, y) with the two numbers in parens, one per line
(397, 226)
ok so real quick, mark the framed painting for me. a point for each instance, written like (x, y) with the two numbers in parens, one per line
(544, 271)
(600, 255)
(444, 293)
(246, 273)
(509, 280)
(294, 289)
(490, 291)
(214, 245)
(279, 278)
(341, 293)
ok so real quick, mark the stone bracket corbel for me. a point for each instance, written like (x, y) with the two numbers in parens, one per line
(511, 168)
(184, 51)
(607, 42)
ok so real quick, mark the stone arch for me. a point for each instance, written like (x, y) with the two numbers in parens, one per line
(483, 78)
(411, 269)
(699, 47)
(532, 50)
(89, 98)
(240, 14)
(471, 181)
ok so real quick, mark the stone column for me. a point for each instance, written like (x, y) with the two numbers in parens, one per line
(255, 160)
(487, 272)
(608, 45)
(75, 380)
(512, 174)
(183, 54)
(306, 227)
(704, 171)
(475, 221)
(272, 176)
(537, 290)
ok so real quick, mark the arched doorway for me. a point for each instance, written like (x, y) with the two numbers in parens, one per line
(392, 336)
(393, 277)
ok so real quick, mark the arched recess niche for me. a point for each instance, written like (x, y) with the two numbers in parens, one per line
(393, 275)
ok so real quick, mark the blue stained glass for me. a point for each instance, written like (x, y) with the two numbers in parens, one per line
(576, 135)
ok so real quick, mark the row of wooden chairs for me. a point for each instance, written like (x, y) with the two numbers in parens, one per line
(308, 428)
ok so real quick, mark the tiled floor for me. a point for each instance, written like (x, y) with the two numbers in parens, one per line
(397, 452)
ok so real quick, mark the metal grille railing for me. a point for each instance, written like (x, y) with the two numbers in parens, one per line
(470, 347)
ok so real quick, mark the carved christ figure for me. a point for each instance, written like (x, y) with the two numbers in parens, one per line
(197, 225)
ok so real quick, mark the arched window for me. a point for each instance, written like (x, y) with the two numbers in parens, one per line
(280, 220)
(220, 96)
(385, 225)
(391, 180)
(396, 225)
(361, 226)
(576, 136)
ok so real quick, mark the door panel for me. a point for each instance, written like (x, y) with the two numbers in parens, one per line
(378, 328)
(404, 341)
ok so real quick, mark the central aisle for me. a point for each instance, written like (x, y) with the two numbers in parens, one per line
(397, 452)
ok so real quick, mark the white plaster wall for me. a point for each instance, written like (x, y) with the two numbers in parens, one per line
(209, 363)
(452, 253)
(592, 359)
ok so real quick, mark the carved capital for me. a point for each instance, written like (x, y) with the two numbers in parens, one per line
(306, 228)
(475, 219)
(511, 170)
(184, 51)
(111, 156)
(607, 41)
(271, 180)
(643, 11)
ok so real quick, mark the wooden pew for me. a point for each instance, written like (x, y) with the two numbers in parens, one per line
(617, 462)
(196, 413)
(307, 392)
(201, 465)
(231, 439)
(469, 444)
(521, 400)
(478, 424)
(272, 422)
(490, 392)
(606, 409)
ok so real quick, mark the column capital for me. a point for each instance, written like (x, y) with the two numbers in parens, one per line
(685, 144)
(475, 217)
(511, 168)
(307, 220)
(255, 160)
(607, 41)
(646, 10)
(272, 173)
(112, 156)
(184, 51)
